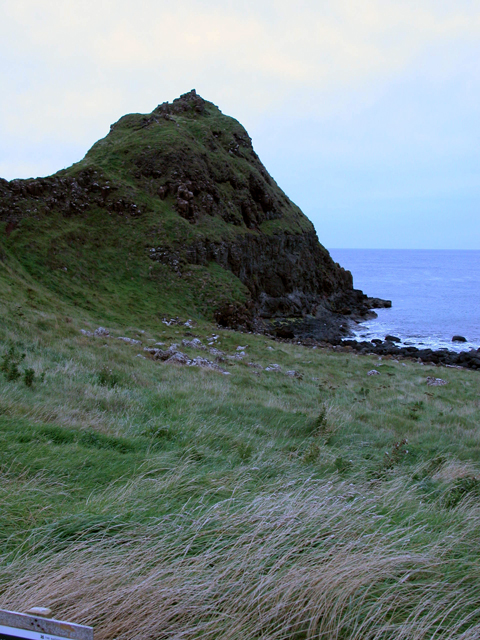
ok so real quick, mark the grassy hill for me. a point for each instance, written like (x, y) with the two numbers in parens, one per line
(156, 500)
(262, 489)
(172, 212)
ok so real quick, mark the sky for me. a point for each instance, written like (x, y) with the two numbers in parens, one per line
(365, 112)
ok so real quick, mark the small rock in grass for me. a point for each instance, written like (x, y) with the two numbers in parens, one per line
(178, 358)
(194, 344)
(242, 348)
(255, 365)
(436, 382)
(373, 372)
(294, 374)
(86, 333)
(273, 367)
(130, 340)
(102, 332)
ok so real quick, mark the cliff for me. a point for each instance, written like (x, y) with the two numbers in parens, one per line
(178, 202)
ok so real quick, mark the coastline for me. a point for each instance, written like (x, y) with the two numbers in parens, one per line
(434, 295)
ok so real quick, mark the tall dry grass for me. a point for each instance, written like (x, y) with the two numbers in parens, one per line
(307, 560)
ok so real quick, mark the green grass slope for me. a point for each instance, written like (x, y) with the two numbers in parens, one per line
(153, 500)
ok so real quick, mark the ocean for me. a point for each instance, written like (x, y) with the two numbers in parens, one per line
(435, 294)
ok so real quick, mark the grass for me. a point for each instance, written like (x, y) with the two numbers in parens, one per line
(151, 500)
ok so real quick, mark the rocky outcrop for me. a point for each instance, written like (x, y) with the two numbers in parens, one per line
(70, 196)
(287, 274)
(190, 164)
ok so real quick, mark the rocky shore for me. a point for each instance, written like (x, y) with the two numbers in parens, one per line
(392, 348)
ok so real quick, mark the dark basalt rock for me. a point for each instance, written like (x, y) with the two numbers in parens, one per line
(392, 339)
(468, 359)
(459, 339)
(378, 303)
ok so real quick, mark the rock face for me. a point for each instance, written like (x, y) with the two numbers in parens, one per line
(194, 172)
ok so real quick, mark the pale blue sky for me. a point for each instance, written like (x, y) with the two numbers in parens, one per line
(365, 112)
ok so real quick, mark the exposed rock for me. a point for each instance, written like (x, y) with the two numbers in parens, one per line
(435, 382)
(390, 338)
(378, 303)
(273, 367)
(193, 344)
(216, 352)
(459, 339)
(162, 354)
(373, 372)
(468, 359)
(102, 332)
(294, 374)
(178, 358)
(129, 340)
(86, 333)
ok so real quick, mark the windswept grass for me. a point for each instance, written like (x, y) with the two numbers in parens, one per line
(155, 501)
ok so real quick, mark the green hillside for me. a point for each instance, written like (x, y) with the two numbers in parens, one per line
(164, 477)
(171, 213)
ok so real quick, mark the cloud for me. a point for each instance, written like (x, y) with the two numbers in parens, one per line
(358, 85)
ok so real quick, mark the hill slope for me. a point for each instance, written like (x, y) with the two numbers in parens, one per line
(173, 212)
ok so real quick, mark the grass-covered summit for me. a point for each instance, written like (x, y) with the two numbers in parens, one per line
(173, 212)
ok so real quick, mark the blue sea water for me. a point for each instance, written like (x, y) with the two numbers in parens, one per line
(435, 294)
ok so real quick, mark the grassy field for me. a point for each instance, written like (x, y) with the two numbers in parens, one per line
(159, 501)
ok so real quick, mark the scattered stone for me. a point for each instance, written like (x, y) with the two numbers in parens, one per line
(173, 356)
(159, 344)
(194, 344)
(216, 352)
(189, 324)
(102, 332)
(161, 354)
(86, 333)
(236, 356)
(435, 382)
(270, 348)
(390, 338)
(206, 364)
(373, 372)
(242, 348)
(172, 321)
(130, 340)
(294, 374)
(459, 339)
(139, 355)
(178, 358)
(273, 367)
(255, 365)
